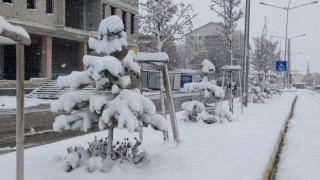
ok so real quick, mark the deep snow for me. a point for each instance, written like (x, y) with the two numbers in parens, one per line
(237, 150)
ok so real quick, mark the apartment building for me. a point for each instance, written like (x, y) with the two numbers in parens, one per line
(59, 30)
(206, 38)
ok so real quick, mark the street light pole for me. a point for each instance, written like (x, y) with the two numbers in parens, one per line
(245, 66)
(288, 8)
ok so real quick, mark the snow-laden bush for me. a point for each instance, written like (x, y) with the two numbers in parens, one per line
(94, 157)
(112, 104)
(256, 94)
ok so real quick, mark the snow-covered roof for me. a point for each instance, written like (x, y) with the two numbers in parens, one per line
(232, 68)
(5, 26)
(152, 57)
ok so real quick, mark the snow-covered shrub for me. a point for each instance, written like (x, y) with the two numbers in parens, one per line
(94, 157)
(112, 104)
(195, 111)
(256, 94)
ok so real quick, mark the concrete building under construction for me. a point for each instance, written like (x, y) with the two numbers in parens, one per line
(59, 30)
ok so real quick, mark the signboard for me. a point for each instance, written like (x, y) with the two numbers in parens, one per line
(185, 78)
(281, 66)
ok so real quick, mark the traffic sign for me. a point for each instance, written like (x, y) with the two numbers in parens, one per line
(281, 66)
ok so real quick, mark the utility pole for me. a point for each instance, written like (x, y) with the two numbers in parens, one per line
(289, 63)
(245, 64)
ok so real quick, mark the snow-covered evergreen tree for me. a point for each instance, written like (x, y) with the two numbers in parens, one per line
(112, 104)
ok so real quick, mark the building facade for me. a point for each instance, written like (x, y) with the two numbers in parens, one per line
(59, 31)
(206, 38)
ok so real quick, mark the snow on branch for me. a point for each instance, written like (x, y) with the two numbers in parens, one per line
(103, 65)
(130, 64)
(76, 80)
(111, 37)
(71, 101)
(207, 66)
(131, 110)
(78, 121)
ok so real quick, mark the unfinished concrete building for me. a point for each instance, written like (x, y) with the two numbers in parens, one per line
(59, 30)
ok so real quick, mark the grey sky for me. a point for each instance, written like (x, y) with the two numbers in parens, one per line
(304, 20)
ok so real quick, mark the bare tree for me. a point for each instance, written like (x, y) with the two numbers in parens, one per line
(265, 52)
(184, 51)
(230, 13)
(165, 19)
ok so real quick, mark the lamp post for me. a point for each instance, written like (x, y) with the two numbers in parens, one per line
(289, 56)
(288, 8)
(245, 64)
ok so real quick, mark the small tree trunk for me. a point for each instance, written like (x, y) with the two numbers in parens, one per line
(110, 141)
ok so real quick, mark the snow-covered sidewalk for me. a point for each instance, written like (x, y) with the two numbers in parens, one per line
(10, 102)
(300, 158)
(226, 151)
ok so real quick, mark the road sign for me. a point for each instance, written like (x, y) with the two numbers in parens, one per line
(281, 66)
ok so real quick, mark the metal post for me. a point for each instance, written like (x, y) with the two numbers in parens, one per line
(245, 66)
(286, 43)
(289, 63)
(20, 112)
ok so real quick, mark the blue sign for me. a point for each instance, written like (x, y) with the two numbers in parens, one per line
(281, 66)
(185, 78)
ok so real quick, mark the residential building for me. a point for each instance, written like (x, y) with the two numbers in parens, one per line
(206, 39)
(59, 30)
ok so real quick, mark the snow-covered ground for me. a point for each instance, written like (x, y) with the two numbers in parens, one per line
(236, 150)
(9, 102)
(300, 155)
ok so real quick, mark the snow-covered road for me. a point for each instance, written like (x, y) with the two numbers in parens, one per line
(300, 157)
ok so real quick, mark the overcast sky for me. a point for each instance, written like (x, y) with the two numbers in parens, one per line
(304, 20)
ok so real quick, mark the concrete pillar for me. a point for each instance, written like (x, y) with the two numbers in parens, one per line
(83, 50)
(1, 62)
(46, 60)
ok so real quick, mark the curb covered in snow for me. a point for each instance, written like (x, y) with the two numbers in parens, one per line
(270, 169)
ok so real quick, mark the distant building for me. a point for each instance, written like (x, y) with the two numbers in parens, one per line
(206, 38)
(59, 31)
